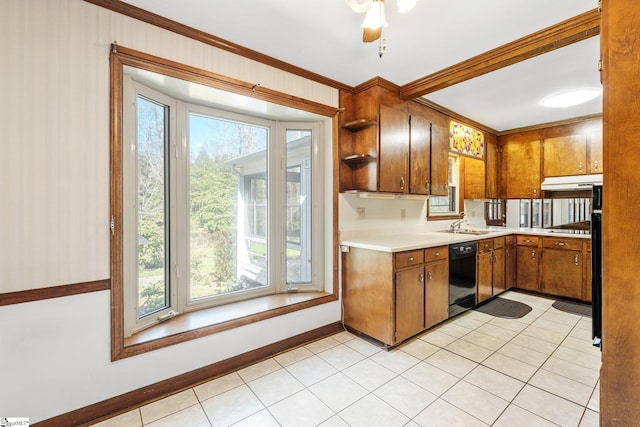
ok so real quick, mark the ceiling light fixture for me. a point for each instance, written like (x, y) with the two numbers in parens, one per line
(571, 97)
(375, 20)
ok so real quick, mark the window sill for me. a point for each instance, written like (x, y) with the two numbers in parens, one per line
(199, 323)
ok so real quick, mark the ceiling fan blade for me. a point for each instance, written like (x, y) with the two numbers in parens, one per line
(371, 34)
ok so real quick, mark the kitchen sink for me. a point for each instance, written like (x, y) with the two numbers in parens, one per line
(477, 231)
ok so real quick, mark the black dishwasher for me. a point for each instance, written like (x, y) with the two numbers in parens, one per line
(462, 277)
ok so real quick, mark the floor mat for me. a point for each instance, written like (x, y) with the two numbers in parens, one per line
(505, 308)
(580, 309)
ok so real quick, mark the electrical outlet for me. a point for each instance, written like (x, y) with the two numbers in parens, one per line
(403, 214)
(360, 212)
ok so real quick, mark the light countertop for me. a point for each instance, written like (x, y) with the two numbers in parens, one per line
(406, 240)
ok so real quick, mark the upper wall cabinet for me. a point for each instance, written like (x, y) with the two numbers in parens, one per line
(420, 155)
(474, 178)
(520, 169)
(565, 155)
(493, 168)
(393, 155)
(594, 152)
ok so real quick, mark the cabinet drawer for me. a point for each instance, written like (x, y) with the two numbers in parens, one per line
(435, 254)
(527, 240)
(562, 243)
(510, 239)
(409, 258)
(485, 245)
(498, 243)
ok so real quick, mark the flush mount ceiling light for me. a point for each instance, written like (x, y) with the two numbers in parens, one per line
(571, 97)
(375, 20)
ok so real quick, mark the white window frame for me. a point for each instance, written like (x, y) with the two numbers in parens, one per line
(453, 176)
(179, 208)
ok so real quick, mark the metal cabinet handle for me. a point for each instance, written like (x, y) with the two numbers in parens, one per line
(580, 166)
(427, 185)
(429, 275)
(528, 241)
(561, 244)
(402, 182)
(437, 254)
(421, 278)
(595, 165)
(576, 259)
(533, 253)
(410, 258)
(535, 191)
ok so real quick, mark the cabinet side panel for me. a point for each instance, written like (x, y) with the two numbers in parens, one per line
(367, 291)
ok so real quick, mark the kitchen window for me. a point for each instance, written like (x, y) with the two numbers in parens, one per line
(444, 207)
(221, 207)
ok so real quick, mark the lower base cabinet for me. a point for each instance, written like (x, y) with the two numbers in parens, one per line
(556, 266)
(527, 263)
(436, 290)
(490, 268)
(394, 296)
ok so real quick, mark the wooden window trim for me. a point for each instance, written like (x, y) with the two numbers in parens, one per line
(120, 56)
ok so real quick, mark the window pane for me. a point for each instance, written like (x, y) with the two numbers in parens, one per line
(298, 212)
(228, 201)
(152, 226)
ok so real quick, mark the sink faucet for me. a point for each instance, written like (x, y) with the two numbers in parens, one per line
(455, 225)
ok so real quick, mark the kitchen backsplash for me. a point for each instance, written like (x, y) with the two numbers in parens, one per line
(362, 213)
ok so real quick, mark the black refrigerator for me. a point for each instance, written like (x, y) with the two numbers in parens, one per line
(596, 265)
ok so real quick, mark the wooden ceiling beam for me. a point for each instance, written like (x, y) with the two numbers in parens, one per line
(572, 30)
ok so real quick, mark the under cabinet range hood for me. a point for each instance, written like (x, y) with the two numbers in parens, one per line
(571, 183)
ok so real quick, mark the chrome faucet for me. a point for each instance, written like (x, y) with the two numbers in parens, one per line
(455, 225)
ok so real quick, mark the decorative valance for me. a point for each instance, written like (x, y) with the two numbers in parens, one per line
(465, 140)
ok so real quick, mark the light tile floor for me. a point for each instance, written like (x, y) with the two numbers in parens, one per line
(473, 370)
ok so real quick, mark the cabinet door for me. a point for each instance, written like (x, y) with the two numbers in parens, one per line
(440, 157)
(409, 286)
(565, 155)
(499, 271)
(527, 267)
(520, 172)
(420, 155)
(484, 276)
(595, 152)
(510, 265)
(393, 153)
(436, 293)
(562, 273)
(474, 178)
(492, 167)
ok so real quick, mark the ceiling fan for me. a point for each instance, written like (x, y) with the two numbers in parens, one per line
(374, 18)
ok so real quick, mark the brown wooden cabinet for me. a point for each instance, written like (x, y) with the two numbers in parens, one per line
(499, 266)
(420, 155)
(490, 268)
(595, 152)
(440, 155)
(394, 296)
(484, 275)
(393, 152)
(520, 169)
(409, 303)
(510, 261)
(565, 155)
(436, 289)
(474, 178)
(564, 270)
(527, 262)
(492, 168)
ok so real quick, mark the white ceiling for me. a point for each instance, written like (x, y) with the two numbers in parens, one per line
(324, 36)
